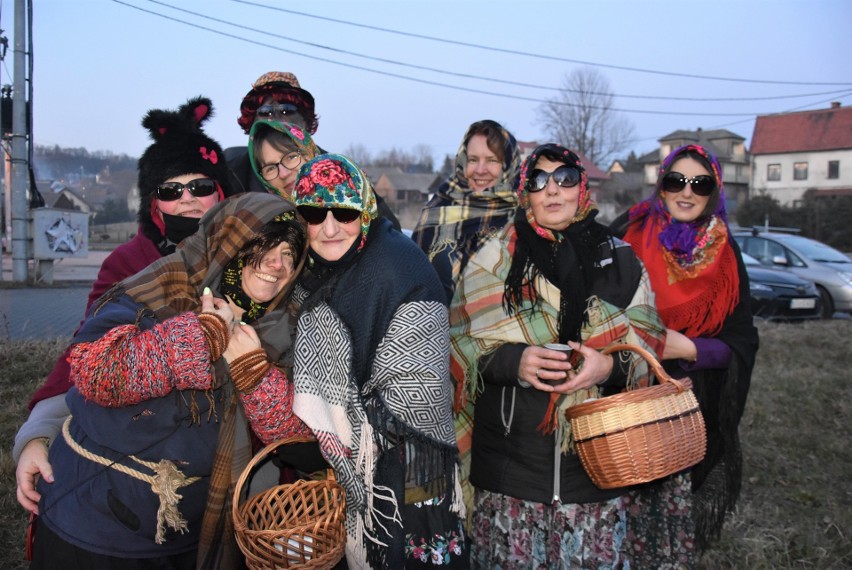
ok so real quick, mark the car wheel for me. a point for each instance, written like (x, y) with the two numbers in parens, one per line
(826, 304)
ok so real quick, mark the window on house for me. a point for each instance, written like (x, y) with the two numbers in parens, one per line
(773, 172)
(800, 171)
(834, 169)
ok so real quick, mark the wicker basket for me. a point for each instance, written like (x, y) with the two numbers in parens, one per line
(639, 435)
(298, 525)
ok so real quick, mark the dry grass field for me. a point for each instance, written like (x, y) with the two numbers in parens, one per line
(795, 510)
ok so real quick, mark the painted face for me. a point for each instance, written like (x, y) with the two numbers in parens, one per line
(554, 206)
(287, 165)
(187, 205)
(331, 239)
(273, 273)
(686, 205)
(483, 166)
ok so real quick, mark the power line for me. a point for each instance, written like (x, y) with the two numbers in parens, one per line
(425, 81)
(793, 110)
(482, 78)
(537, 55)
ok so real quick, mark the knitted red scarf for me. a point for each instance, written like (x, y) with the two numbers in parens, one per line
(694, 300)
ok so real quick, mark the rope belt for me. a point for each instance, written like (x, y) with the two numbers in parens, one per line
(165, 482)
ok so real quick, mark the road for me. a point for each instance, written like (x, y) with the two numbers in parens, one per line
(44, 312)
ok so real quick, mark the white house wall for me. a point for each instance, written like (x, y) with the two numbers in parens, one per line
(787, 190)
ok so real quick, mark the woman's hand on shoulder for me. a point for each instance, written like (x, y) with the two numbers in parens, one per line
(32, 464)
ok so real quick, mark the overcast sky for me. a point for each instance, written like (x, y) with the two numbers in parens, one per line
(99, 65)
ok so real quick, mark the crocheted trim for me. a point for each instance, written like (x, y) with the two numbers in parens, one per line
(249, 369)
(216, 333)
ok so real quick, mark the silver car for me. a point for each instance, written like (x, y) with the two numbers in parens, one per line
(828, 268)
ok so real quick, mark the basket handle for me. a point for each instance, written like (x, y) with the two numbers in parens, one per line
(652, 361)
(258, 457)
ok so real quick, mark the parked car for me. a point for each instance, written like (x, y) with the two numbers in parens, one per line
(777, 294)
(828, 268)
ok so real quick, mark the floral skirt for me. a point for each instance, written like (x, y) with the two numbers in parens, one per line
(660, 527)
(511, 533)
(434, 535)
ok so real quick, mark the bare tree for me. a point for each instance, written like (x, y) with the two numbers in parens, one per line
(583, 119)
(418, 160)
(423, 157)
(359, 153)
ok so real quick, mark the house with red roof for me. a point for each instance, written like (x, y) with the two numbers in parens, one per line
(807, 151)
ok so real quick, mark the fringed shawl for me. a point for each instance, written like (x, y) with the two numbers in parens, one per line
(457, 220)
(479, 325)
(173, 285)
(692, 267)
(702, 290)
(372, 383)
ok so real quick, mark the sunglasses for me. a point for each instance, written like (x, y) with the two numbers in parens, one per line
(675, 182)
(316, 215)
(289, 161)
(269, 111)
(564, 176)
(200, 187)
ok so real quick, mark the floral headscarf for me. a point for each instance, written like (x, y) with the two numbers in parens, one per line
(682, 238)
(678, 253)
(557, 154)
(335, 181)
(304, 144)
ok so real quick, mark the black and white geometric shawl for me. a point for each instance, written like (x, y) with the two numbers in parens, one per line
(372, 382)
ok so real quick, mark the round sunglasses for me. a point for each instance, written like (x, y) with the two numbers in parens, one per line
(316, 215)
(171, 191)
(564, 176)
(701, 185)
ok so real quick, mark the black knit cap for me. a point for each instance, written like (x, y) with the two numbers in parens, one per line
(180, 147)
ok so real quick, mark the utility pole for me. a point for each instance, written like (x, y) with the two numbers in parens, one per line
(6, 206)
(20, 176)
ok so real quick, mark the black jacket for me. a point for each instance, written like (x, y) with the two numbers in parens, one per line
(520, 461)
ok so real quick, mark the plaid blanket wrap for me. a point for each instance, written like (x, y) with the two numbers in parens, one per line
(479, 325)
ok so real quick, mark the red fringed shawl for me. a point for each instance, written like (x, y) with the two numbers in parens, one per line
(696, 299)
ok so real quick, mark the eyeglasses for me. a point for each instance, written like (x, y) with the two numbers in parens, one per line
(200, 187)
(675, 182)
(564, 176)
(289, 161)
(316, 215)
(269, 111)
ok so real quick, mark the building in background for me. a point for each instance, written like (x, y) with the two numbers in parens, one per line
(804, 152)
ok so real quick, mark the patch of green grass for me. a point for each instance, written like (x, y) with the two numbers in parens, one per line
(23, 367)
(795, 510)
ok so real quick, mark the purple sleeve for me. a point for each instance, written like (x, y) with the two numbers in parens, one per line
(712, 353)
